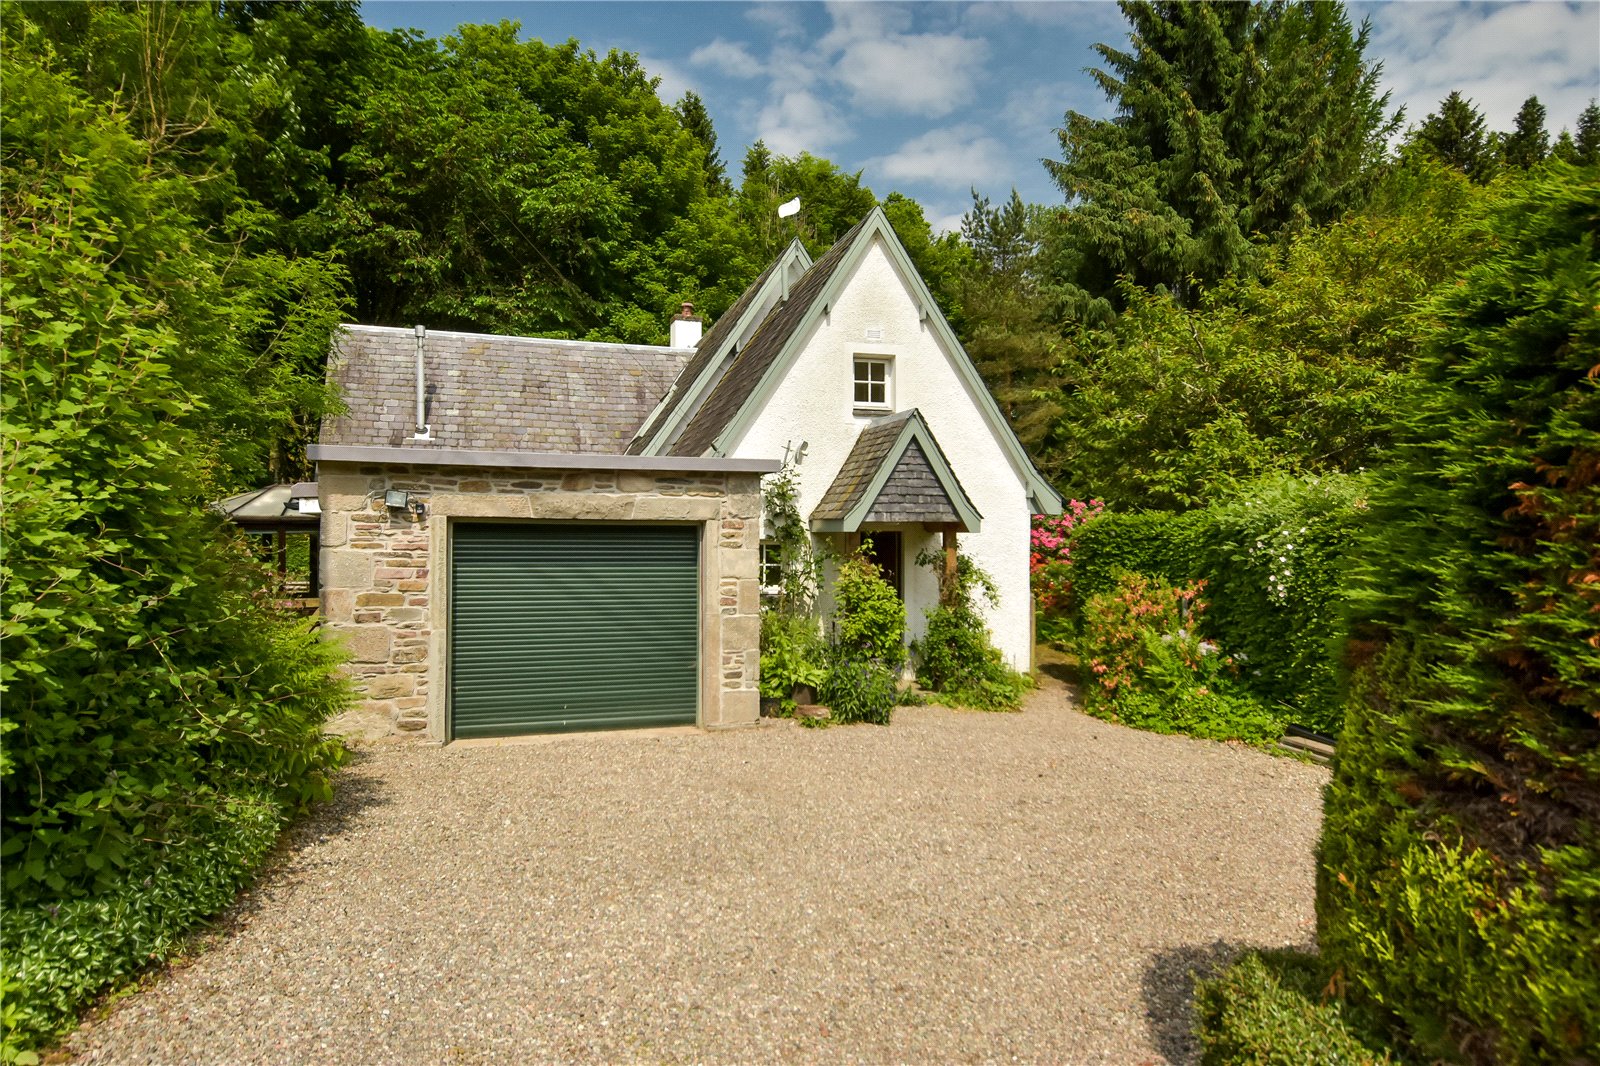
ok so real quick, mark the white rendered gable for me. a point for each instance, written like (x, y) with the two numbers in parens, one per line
(877, 313)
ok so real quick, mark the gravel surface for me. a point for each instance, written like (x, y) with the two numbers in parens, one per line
(958, 886)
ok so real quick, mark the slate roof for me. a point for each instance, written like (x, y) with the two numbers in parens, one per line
(704, 352)
(871, 449)
(743, 377)
(496, 393)
(912, 492)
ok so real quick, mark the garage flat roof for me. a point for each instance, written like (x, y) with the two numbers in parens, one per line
(426, 456)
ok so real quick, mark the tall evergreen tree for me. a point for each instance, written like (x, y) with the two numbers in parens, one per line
(1528, 144)
(697, 120)
(1565, 148)
(1232, 121)
(998, 236)
(1587, 141)
(1455, 135)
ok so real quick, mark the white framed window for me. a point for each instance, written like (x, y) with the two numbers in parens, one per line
(771, 567)
(873, 381)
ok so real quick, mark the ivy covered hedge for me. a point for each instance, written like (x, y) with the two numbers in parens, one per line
(1459, 883)
(1272, 559)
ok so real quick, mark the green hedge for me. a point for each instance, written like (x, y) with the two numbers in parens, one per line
(1272, 559)
(1459, 869)
(151, 692)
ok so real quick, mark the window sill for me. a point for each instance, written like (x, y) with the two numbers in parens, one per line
(871, 412)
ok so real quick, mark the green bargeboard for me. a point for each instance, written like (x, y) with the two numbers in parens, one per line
(570, 626)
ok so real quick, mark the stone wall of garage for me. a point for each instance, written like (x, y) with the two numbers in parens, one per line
(384, 589)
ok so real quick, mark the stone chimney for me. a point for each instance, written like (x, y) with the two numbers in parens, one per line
(686, 328)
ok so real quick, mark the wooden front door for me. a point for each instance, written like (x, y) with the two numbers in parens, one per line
(887, 552)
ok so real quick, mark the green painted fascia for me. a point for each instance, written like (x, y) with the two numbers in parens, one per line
(917, 430)
(663, 436)
(1043, 495)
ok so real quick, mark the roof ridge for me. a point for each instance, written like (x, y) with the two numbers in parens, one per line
(357, 327)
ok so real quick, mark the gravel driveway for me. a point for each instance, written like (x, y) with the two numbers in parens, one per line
(959, 886)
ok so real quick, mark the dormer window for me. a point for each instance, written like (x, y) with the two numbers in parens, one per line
(872, 382)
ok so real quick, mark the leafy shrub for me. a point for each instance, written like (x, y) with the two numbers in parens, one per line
(1145, 666)
(858, 688)
(792, 653)
(150, 690)
(144, 679)
(869, 621)
(868, 649)
(1273, 560)
(1459, 870)
(59, 956)
(1270, 1009)
(954, 656)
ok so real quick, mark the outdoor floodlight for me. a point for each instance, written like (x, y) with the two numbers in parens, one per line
(398, 499)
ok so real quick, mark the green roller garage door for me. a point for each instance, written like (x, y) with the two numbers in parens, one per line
(573, 626)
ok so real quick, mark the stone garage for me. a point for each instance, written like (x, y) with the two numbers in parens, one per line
(486, 590)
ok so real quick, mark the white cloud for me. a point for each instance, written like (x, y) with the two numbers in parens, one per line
(947, 223)
(868, 61)
(919, 74)
(727, 57)
(779, 19)
(1033, 108)
(801, 121)
(674, 82)
(1496, 54)
(1103, 21)
(854, 21)
(888, 69)
(954, 157)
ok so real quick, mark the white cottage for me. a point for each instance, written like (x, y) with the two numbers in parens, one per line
(847, 367)
(525, 535)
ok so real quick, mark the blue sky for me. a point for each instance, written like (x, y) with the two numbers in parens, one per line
(932, 99)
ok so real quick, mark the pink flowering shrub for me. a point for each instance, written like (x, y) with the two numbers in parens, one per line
(1050, 562)
(1145, 666)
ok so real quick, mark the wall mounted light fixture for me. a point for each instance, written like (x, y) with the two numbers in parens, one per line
(400, 500)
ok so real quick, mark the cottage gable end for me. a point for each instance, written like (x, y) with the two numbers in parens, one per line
(744, 394)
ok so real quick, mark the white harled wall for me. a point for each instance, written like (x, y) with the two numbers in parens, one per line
(813, 404)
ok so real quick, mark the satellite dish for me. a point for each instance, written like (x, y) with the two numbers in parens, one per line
(790, 208)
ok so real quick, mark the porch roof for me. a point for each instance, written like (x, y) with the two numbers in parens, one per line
(896, 473)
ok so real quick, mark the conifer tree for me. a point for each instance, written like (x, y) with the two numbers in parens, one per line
(1565, 148)
(1528, 144)
(1232, 121)
(697, 120)
(1455, 136)
(1587, 142)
